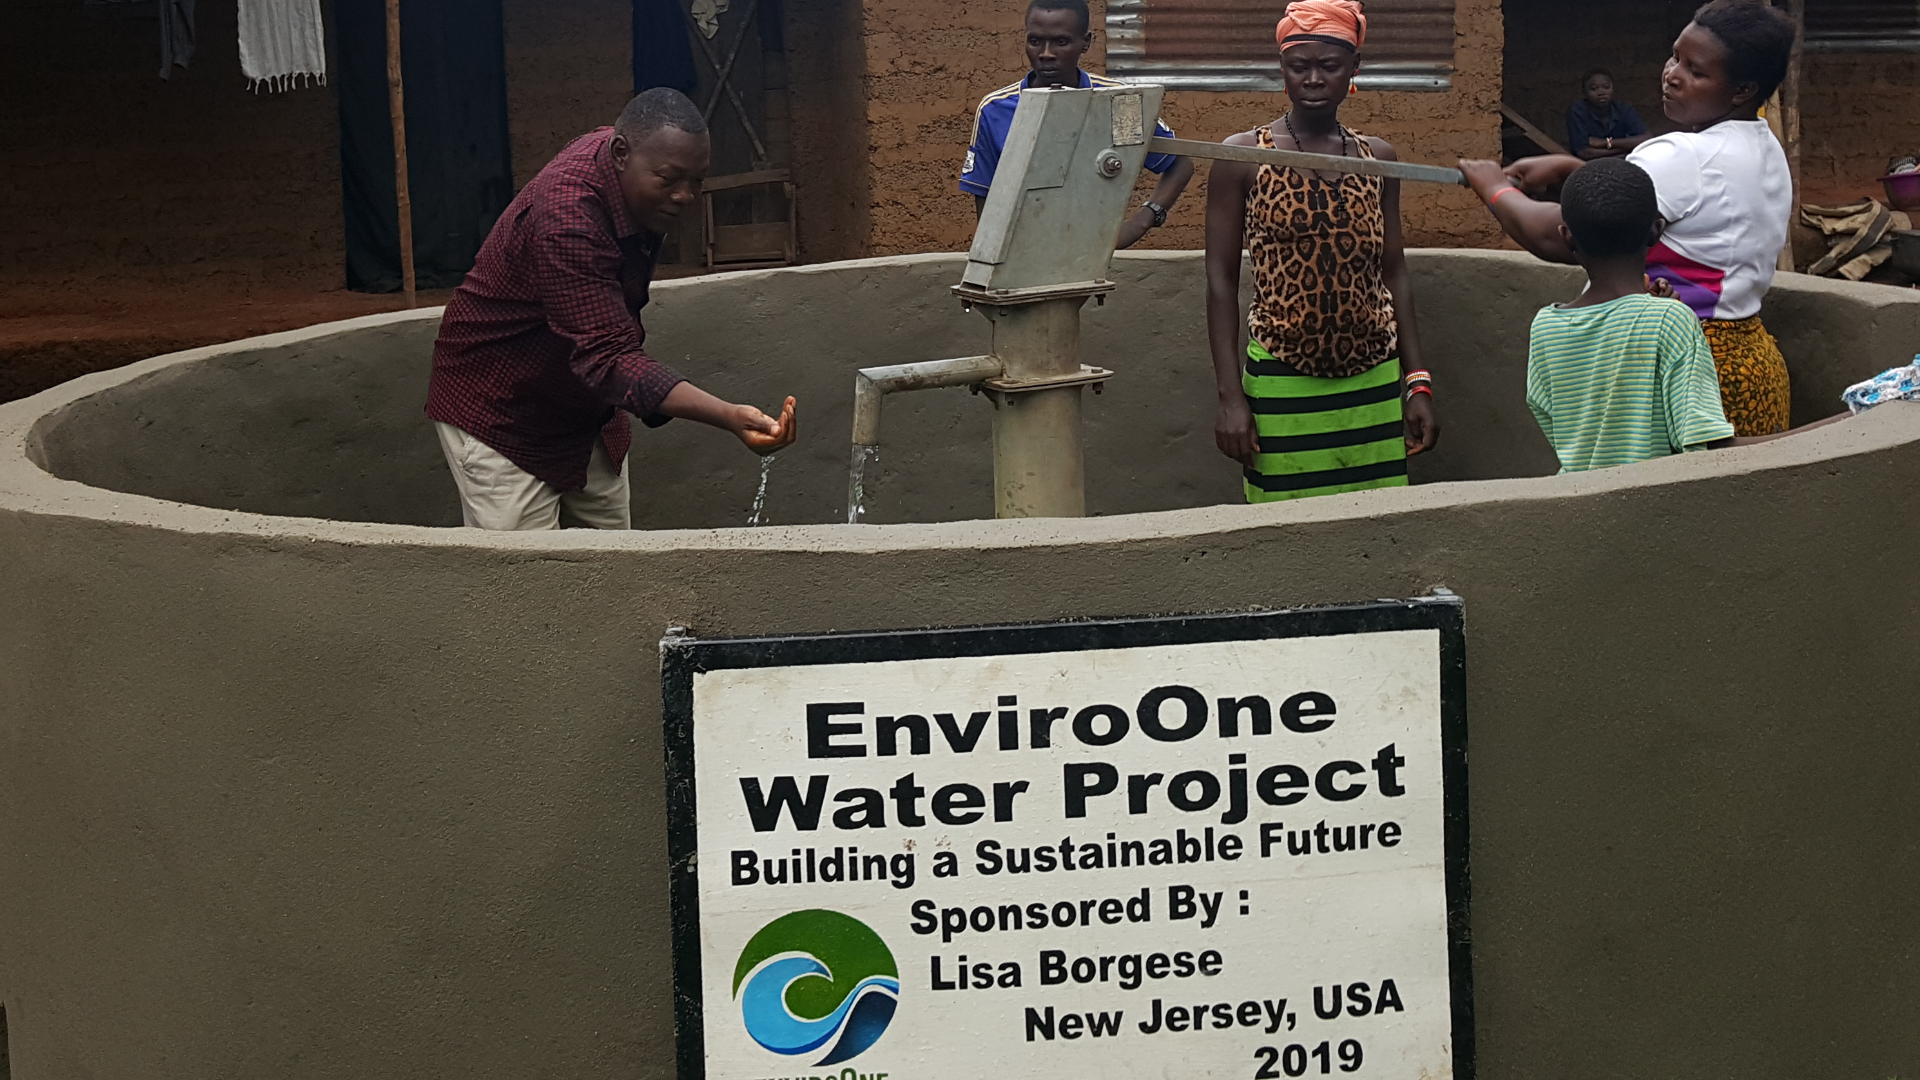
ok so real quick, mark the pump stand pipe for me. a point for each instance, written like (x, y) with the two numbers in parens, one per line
(1038, 467)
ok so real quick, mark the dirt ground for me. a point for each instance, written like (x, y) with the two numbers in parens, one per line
(52, 332)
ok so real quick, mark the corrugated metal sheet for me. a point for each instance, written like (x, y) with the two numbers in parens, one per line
(1862, 18)
(1217, 31)
(1863, 24)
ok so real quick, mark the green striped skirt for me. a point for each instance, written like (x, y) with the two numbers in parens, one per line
(1323, 436)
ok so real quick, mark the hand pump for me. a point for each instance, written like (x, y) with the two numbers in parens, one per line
(1042, 247)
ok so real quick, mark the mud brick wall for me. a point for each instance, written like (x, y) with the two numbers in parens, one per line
(110, 171)
(927, 65)
(569, 70)
(1857, 111)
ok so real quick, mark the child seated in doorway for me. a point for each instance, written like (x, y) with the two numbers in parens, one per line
(1599, 125)
(1618, 375)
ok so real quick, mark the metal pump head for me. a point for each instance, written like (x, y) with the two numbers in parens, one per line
(1061, 190)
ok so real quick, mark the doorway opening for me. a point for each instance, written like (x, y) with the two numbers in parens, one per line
(1551, 46)
(747, 217)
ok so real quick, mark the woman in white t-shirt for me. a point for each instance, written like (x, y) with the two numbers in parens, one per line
(1725, 192)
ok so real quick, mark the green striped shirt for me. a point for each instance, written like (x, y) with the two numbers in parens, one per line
(1623, 381)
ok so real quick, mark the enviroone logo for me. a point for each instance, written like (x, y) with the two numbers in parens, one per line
(816, 978)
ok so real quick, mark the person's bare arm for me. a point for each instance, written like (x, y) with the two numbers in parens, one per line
(1534, 225)
(1423, 428)
(979, 204)
(1542, 176)
(1165, 193)
(1227, 187)
(762, 433)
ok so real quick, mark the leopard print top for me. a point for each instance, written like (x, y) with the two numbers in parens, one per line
(1320, 298)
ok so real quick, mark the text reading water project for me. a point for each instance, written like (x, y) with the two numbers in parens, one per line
(1217, 847)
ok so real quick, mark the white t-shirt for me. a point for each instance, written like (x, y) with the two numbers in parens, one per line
(1727, 196)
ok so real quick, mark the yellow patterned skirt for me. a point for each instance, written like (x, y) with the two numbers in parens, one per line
(1754, 389)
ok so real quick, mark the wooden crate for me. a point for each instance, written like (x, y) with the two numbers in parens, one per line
(769, 243)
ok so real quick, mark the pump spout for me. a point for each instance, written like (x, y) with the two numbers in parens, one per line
(871, 385)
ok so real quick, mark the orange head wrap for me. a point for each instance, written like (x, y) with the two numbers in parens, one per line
(1337, 22)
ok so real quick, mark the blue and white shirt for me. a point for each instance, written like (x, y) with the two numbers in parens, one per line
(995, 115)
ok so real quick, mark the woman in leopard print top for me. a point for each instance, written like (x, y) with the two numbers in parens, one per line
(1314, 404)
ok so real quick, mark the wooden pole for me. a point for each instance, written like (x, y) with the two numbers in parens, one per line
(1790, 117)
(397, 106)
(1540, 138)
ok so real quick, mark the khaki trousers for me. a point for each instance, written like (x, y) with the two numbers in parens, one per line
(497, 494)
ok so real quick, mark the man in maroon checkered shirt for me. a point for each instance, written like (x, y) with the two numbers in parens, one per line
(540, 356)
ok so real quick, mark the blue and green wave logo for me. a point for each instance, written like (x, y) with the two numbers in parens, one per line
(816, 978)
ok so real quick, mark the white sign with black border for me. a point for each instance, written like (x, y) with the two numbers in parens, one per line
(1220, 846)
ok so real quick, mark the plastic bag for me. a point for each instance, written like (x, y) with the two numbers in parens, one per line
(1894, 384)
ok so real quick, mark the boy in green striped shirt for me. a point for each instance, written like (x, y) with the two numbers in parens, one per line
(1619, 376)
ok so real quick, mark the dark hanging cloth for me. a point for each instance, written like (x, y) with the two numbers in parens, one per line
(459, 157)
(176, 35)
(662, 55)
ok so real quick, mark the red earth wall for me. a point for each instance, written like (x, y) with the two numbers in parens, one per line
(927, 66)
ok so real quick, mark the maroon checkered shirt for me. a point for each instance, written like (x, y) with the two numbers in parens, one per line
(540, 348)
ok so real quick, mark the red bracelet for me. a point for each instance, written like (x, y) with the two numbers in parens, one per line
(1427, 390)
(1495, 201)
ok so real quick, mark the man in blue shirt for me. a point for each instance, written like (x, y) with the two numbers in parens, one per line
(1597, 125)
(1058, 34)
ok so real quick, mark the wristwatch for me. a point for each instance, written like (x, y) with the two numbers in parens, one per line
(1159, 213)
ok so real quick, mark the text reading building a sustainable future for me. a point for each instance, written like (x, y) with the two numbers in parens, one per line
(1227, 847)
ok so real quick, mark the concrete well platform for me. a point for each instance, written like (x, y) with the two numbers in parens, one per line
(295, 782)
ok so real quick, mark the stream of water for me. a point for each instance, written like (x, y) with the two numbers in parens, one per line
(857, 481)
(760, 497)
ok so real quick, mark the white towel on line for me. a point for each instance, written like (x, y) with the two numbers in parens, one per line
(281, 43)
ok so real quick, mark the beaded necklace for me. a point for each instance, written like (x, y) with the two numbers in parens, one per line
(1340, 185)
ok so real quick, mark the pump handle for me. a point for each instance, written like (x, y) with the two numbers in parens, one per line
(1260, 155)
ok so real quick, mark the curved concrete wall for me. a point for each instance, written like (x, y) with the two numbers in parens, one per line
(287, 797)
(328, 424)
